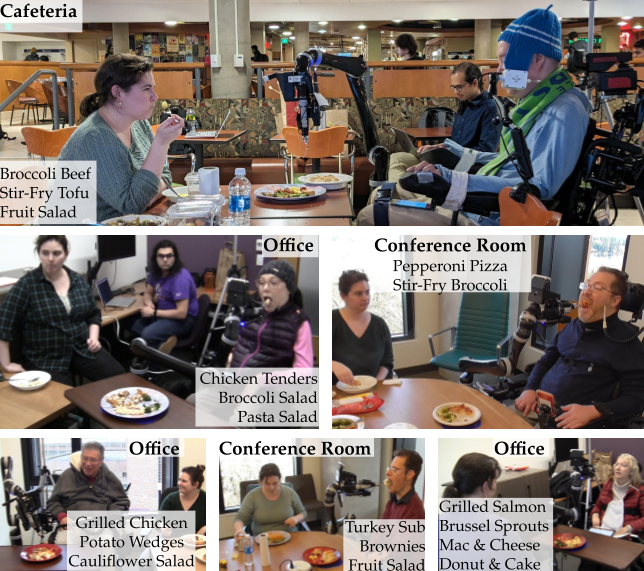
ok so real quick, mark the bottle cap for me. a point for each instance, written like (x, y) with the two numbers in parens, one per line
(240, 172)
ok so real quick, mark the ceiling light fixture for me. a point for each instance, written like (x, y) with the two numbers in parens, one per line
(622, 23)
(274, 27)
(323, 23)
(397, 21)
(287, 34)
(359, 42)
(171, 23)
(637, 27)
(321, 31)
(355, 37)
(361, 27)
(627, 17)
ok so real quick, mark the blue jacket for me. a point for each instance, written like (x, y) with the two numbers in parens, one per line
(563, 370)
(473, 129)
(555, 142)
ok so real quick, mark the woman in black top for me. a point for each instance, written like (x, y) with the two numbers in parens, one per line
(361, 340)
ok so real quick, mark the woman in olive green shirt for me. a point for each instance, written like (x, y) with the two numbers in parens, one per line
(190, 496)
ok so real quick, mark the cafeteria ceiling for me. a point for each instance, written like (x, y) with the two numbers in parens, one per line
(100, 11)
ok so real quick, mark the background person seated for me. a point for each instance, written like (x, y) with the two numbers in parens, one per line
(190, 496)
(404, 502)
(583, 366)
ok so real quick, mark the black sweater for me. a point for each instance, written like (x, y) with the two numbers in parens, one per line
(364, 355)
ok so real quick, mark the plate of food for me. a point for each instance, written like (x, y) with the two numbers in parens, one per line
(136, 220)
(194, 540)
(364, 383)
(400, 426)
(568, 541)
(456, 414)
(182, 191)
(40, 553)
(201, 555)
(30, 380)
(276, 537)
(135, 403)
(346, 422)
(321, 556)
(330, 181)
(289, 192)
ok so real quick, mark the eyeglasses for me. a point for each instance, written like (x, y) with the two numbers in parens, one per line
(583, 286)
(90, 460)
(272, 284)
(459, 87)
(165, 256)
(393, 469)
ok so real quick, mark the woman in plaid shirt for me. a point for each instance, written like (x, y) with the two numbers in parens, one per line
(58, 319)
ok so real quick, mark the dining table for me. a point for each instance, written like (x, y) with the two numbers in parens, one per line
(32, 409)
(332, 208)
(428, 133)
(10, 560)
(293, 549)
(414, 400)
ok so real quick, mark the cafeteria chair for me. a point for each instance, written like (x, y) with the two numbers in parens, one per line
(248, 485)
(532, 213)
(482, 321)
(325, 143)
(304, 485)
(27, 101)
(63, 112)
(44, 143)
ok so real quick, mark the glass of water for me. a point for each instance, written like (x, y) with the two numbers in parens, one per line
(192, 182)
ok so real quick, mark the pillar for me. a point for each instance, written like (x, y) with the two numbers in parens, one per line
(229, 81)
(374, 40)
(121, 38)
(610, 39)
(301, 33)
(258, 37)
(486, 36)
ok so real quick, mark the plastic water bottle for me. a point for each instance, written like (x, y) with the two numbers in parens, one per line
(249, 560)
(191, 119)
(239, 198)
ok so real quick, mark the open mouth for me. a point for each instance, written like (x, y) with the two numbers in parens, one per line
(267, 301)
(585, 303)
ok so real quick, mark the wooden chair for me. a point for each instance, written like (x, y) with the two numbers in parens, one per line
(532, 213)
(44, 143)
(62, 101)
(25, 101)
(39, 93)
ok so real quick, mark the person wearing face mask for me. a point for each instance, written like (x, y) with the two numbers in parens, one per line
(552, 114)
(190, 496)
(361, 340)
(281, 337)
(582, 367)
(474, 476)
(620, 505)
(59, 321)
(404, 502)
(130, 158)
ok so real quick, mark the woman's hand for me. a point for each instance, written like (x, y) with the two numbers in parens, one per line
(94, 345)
(343, 373)
(147, 311)
(596, 520)
(13, 368)
(291, 522)
(169, 130)
(623, 530)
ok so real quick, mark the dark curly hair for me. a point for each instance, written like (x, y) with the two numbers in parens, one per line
(349, 278)
(470, 473)
(195, 473)
(268, 471)
(407, 42)
(62, 240)
(154, 265)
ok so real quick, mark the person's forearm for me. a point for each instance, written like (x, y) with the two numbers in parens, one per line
(157, 155)
(148, 299)
(382, 373)
(238, 526)
(94, 331)
(172, 313)
(5, 355)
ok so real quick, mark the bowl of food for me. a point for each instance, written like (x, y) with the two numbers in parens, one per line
(30, 380)
(456, 414)
(194, 540)
(171, 195)
(40, 553)
(346, 422)
(200, 554)
(330, 181)
(135, 220)
(321, 556)
(363, 383)
(134, 403)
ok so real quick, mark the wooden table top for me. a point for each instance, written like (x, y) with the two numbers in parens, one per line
(350, 138)
(224, 137)
(332, 204)
(32, 409)
(429, 132)
(123, 312)
(415, 399)
(613, 553)
(293, 549)
(10, 557)
(88, 398)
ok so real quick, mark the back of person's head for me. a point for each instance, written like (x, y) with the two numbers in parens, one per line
(349, 278)
(470, 71)
(254, 48)
(269, 471)
(470, 473)
(407, 42)
(122, 70)
(44, 58)
(195, 473)
(62, 240)
(573, 36)
(413, 461)
(620, 280)
(154, 265)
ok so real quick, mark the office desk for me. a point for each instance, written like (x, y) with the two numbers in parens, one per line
(10, 558)
(123, 312)
(32, 409)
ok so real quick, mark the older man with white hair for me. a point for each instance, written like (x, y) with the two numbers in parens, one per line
(87, 485)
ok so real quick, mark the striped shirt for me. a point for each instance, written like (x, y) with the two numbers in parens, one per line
(50, 335)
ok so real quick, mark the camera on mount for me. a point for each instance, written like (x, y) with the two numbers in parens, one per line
(580, 464)
(347, 483)
(238, 292)
(593, 71)
(553, 310)
(633, 301)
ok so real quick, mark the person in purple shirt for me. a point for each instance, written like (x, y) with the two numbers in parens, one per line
(170, 300)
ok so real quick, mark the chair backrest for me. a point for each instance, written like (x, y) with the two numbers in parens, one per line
(436, 117)
(304, 485)
(39, 93)
(200, 327)
(482, 321)
(324, 143)
(532, 213)
(45, 143)
(49, 94)
(12, 85)
(165, 493)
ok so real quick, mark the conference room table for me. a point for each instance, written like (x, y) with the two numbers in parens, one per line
(293, 549)
(10, 560)
(32, 409)
(415, 399)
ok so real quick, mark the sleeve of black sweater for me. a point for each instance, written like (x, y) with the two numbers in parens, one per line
(388, 357)
(543, 365)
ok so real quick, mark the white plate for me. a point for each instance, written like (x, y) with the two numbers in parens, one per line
(344, 179)
(462, 420)
(357, 419)
(182, 191)
(259, 192)
(154, 394)
(159, 220)
(201, 555)
(189, 539)
(19, 381)
(366, 383)
(287, 537)
(401, 426)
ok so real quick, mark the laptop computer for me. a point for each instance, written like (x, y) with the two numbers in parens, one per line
(108, 299)
(435, 157)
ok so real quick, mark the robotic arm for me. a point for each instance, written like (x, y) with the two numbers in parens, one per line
(301, 86)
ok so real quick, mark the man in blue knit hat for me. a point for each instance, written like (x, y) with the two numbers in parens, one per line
(552, 114)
